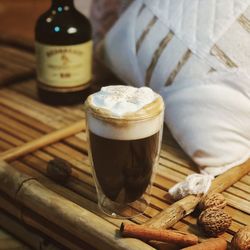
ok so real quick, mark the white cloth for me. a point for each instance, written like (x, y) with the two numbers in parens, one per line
(193, 184)
(181, 43)
(210, 119)
(197, 26)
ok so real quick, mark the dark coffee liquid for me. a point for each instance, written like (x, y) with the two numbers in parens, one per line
(123, 168)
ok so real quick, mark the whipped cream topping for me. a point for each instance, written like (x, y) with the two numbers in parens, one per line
(120, 100)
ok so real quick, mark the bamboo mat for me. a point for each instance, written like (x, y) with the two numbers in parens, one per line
(7, 242)
(23, 118)
(15, 64)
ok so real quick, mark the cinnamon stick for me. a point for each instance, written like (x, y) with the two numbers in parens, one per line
(169, 236)
(211, 244)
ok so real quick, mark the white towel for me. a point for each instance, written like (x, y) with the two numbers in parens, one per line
(189, 51)
(210, 119)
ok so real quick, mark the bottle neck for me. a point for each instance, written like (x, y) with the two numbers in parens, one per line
(62, 3)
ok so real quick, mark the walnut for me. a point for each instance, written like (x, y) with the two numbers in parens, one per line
(214, 221)
(59, 170)
(241, 240)
(216, 200)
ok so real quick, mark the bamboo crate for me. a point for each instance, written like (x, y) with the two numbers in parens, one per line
(23, 118)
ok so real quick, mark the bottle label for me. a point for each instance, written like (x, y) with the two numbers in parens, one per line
(64, 68)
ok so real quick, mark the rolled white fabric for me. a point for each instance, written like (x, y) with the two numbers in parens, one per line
(173, 47)
(156, 42)
(210, 119)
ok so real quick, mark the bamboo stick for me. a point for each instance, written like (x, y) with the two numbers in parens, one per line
(51, 116)
(7, 242)
(19, 56)
(75, 219)
(4, 145)
(40, 127)
(24, 119)
(22, 43)
(169, 216)
(16, 58)
(7, 77)
(24, 234)
(12, 69)
(29, 147)
(34, 221)
(14, 125)
(16, 65)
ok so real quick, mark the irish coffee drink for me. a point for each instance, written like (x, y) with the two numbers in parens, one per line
(124, 133)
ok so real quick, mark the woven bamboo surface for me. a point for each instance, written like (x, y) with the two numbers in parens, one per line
(23, 118)
(10, 243)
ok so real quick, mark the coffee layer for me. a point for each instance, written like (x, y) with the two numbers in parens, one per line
(124, 168)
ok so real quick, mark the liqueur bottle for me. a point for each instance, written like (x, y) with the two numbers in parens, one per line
(64, 54)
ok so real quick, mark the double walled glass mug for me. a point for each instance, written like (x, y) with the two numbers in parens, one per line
(124, 151)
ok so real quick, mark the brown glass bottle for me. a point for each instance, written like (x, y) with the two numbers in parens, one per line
(64, 54)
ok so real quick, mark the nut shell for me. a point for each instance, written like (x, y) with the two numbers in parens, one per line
(215, 200)
(241, 240)
(59, 170)
(214, 221)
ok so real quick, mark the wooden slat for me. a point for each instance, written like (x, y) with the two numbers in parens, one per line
(176, 167)
(48, 115)
(4, 145)
(15, 64)
(237, 202)
(246, 180)
(7, 242)
(242, 187)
